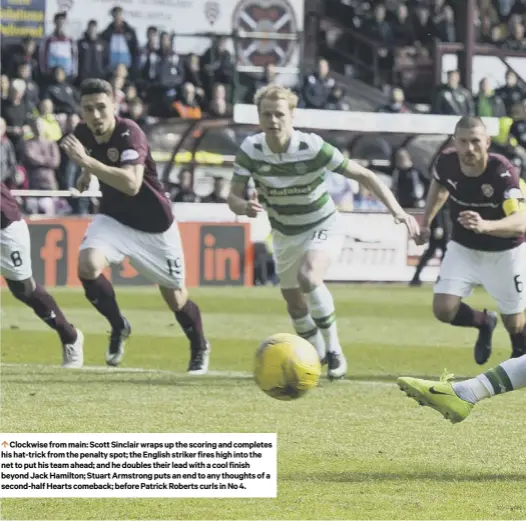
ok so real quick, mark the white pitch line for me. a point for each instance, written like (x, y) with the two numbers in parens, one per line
(106, 369)
(239, 375)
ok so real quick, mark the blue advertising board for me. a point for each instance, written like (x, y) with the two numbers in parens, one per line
(21, 18)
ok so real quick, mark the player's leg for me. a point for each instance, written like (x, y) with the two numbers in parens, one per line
(456, 400)
(287, 257)
(504, 278)
(459, 273)
(422, 263)
(160, 258)
(320, 247)
(17, 270)
(188, 315)
(302, 321)
(99, 249)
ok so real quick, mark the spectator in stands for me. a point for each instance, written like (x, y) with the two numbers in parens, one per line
(269, 75)
(317, 87)
(396, 103)
(487, 104)
(92, 54)
(137, 112)
(118, 85)
(58, 50)
(41, 158)
(484, 30)
(4, 88)
(453, 98)
(379, 28)
(49, 126)
(25, 52)
(188, 106)
(148, 54)
(17, 114)
(336, 100)
(504, 8)
(193, 75)
(402, 27)
(7, 154)
(516, 41)
(218, 193)
(64, 96)
(169, 76)
(407, 182)
(423, 27)
(184, 193)
(217, 65)
(518, 128)
(511, 93)
(31, 96)
(121, 42)
(219, 106)
(445, 29)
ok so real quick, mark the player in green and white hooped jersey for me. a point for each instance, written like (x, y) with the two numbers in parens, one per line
(288, 167)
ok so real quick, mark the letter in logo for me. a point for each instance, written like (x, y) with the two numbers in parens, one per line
(222, 255)
(50, 246)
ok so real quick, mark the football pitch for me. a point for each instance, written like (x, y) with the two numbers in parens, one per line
(352, 449)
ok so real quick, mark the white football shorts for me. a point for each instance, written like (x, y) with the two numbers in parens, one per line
(157, 256)
(289, 250)
(501, 273)
(16, 251)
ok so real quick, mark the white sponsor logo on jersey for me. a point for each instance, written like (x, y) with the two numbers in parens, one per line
(129, 155)
(505, 174)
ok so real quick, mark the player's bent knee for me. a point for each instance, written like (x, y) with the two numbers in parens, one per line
(21, 289)
(176, 298)
(309, 278)
(91, 264)
(445, 309)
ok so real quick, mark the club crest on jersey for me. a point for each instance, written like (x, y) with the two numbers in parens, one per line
(487, 190)
(301, 168)
(113, 155)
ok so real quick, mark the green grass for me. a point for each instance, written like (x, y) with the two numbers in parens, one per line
(355, 449)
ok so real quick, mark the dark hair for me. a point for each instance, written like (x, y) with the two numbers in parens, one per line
(60, 16)
(469, 122)
(95, 86)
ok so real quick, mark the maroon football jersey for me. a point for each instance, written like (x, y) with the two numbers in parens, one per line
(484, 194)
(149, 210)
(9, 208)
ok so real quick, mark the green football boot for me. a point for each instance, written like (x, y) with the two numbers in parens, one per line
(438, 395)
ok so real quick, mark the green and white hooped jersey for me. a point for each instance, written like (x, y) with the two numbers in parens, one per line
(291, 186)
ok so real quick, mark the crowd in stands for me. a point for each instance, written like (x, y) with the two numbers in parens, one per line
(39, 89)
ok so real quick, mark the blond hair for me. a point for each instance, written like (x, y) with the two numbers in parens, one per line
(273, 91)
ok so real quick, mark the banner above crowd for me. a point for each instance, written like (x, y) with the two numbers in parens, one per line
(186, 17)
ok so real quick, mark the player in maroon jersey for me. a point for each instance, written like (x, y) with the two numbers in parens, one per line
(488, 211)
(17, 271)
(135, 221)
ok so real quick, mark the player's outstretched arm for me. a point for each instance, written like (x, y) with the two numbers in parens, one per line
(371, 181)
(238, 204)
(436, 198)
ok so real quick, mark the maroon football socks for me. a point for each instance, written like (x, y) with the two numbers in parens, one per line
(100, 293)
